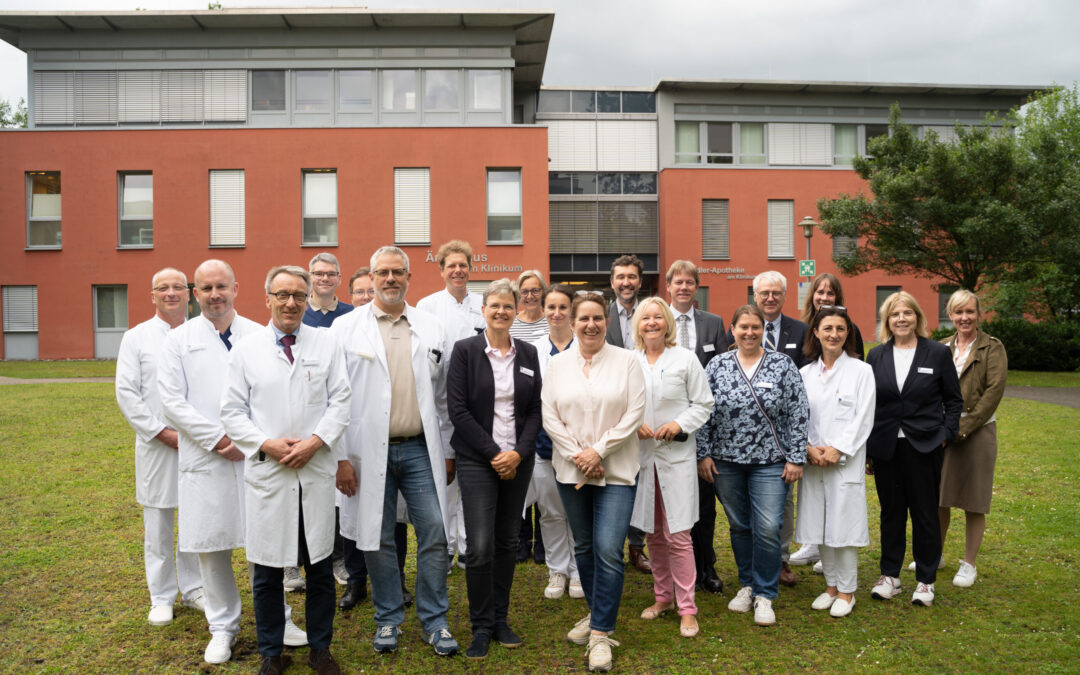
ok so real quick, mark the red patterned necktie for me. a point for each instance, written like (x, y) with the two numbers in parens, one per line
(288, 341)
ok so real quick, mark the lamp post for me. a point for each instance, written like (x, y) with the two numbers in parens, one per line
(807, 225)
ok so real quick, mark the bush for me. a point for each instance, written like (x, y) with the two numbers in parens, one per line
(1038, 346)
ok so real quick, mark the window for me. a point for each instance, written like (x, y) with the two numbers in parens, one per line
(553, 101)
(354, 91)
(781, 228)
(687, 143)
(110, 320)
(843, 247)
(638, 102)
(312, 91)
(412, 206)
(639, 183)
(20, 322)
(715, 244)
(43, 209)
(504, 206)
(751, 143)
(943, 314)
(136, 209)
(608, 102)
(268, 90)
(583, 101)
(572, 227)
(873, 131)
(320, 207)
(399, 90)
(441, 90)
(485, 89)
(845, 144)
(800, 144)
(627, 227)
(227, 207)
(719, 144)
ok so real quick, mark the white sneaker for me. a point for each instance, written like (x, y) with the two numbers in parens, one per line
(805, 555)
(196, 601)
(940, 565)
(743, 601)
(294, 637)
(819, 568)
(292, 580)
(576, 590)
(580, 633)
(341, 575)
(842, 607)
(220, 648)
(599, 651)
(923, 595)
(823, 601)
(556, 586)
(886, 588)
(160, 615)
(763, 612)
(965, 576)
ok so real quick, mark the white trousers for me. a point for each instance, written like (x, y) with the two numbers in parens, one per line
(455, 521)
(841, 566)
(220, 593)
(558, 540)
(165, 564)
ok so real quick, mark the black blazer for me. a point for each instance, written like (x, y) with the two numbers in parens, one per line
(711, 339)
(614, 327)
(790, 341)
(928, 408)
(470, 398)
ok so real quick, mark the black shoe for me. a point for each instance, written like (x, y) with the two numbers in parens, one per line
(479, 647)
(274, 665)
(406, 596)
(354, 593)
(323, 663)
(506, 637)
(712, 582)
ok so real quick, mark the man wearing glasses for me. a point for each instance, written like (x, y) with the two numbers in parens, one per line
(323, 306)
(396, 357)
(360, 287)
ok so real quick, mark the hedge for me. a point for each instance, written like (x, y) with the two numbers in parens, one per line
(1035, 346)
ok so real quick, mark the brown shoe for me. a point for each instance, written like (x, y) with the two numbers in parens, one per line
(639, 560)
(323, 663)
(274, 665)
(787, 577)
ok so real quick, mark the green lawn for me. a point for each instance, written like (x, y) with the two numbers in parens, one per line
(1028, 378)
(73, 596)
(35, 369)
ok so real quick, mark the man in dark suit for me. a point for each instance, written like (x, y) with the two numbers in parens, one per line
(626, 274)
(703, 333)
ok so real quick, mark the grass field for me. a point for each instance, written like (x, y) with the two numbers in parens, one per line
(73, 596)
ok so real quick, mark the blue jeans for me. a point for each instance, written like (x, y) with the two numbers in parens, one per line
(599, 518)
(753, 498)
(408, 469)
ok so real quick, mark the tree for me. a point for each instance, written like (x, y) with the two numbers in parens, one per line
(943, 210)
(13, 117)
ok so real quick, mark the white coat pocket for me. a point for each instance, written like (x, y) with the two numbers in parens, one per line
(673, 385)
(845, 409)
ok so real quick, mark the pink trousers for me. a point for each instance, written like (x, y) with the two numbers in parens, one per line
(672, 556)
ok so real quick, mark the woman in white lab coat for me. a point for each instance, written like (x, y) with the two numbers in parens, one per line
(832, 494)
(677, 401)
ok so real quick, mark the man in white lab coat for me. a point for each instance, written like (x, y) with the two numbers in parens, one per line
(459, 312)
(191, 376)
(397, 359)
(286, 406)
(155, 449)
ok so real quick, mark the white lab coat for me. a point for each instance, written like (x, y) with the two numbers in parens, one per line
(137, 396)
(675, 389)
(191, 376)
(367, 438)
(459, 320)
(267, 397)
(832, 500)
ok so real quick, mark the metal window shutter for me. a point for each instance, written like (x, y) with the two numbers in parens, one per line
(945, 134)
(20, 309)
(714, 229)
(412, 206)
(227, 207)
(624, 145)
(139, 97)
(782, 143)
(182, 96)
(572, 227)
(54, 98)
(781, 228)
(572, 145)
(628, 227)
(844, 246)
(95, 97)
(816, 144)
(225, 95)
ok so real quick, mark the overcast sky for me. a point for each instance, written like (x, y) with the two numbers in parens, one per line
(637, 42)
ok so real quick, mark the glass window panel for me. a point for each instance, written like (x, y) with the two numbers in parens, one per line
(45, 194)
(320, 230)
(504, 205)
(751, 143)
(608, 102)
(111, 304)
(441, 90)
(399, 90)
(354, 90)
(718, 142)
(610, 184)
(585, 183)
(687, 144)
(583, 101)
(639, 183)
(551, 100)
(320, 194)
(486, 88)
(312, 91)
(268, 90)
(845, 143)
(638, 102)
(559, 183)
(138, 191)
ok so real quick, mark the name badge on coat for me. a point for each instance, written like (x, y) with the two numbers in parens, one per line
(926, 371)
(708, 348)
(526, 371)
(765, 385)
(792, 345)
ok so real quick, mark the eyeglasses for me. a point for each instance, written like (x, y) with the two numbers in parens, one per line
(360, 291)
(175, 288)
(398, 272)
(283, 297)
(532, 291)
(328, 275)
(770, 294)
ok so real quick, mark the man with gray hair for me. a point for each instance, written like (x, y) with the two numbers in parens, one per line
(323, 306)
(156, 449)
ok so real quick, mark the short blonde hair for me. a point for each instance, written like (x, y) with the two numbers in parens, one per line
(502, 287)
(887, 307)
(669, 319)
(527, 274)
(960, 298)
(451, 247)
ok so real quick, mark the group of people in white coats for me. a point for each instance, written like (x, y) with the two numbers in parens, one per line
(253, 433)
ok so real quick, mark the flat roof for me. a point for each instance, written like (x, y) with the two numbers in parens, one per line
(1020, 92)
(532, 28)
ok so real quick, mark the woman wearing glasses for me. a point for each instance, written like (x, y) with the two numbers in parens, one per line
(530, 324)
